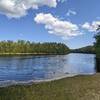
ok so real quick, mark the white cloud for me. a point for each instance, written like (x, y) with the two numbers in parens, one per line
(71, 12)
(18, 8)
(91, 27)
(65, 29)
(62, 1)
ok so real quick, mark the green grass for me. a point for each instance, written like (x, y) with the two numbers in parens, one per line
(76, 88)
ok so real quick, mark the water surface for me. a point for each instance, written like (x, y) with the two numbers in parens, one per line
(26, 68)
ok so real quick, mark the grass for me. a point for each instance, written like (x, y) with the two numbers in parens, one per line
(76, 88)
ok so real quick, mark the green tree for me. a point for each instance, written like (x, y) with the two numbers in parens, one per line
(22, 46)
(97, 44)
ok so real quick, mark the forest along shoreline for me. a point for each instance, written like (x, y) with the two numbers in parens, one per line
(22, 47)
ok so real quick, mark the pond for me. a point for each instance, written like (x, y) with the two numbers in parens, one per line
(27, 69)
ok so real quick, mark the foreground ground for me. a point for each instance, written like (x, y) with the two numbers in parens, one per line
(76, 88)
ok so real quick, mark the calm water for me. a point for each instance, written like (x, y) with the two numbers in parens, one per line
(28, 68)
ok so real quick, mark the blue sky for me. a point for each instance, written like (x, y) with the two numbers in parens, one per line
(78, 19)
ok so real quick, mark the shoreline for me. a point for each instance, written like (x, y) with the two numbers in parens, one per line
(9, 83)
(37, 54)
(73, 88)
(26, 54)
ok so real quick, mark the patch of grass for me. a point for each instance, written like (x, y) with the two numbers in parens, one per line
(76, 88)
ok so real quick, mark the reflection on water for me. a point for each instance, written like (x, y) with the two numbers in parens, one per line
(45, 67)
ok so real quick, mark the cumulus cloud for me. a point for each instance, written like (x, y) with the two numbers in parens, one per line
(71, 12)
(65, 29)
(91, 27)
(18, 8)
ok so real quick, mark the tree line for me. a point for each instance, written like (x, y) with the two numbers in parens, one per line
(91, 49)
(22, 46)
(97, 43)
(87, 49)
